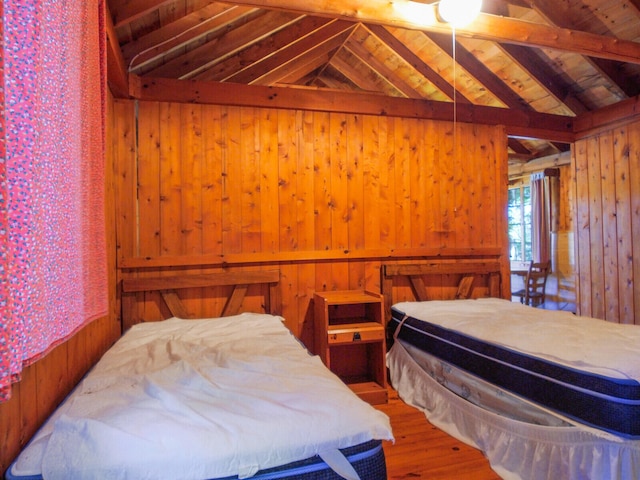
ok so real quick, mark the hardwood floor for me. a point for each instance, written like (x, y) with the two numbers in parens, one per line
(423, 451)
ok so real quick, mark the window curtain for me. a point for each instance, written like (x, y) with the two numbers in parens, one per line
(53, 274)
(544, 188)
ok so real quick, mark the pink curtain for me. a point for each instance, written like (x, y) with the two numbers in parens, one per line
(53, 277)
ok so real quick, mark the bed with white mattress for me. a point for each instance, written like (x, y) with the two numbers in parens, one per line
(543, 394)
(220, 398)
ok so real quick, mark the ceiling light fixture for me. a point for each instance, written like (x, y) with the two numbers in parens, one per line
(459, 13)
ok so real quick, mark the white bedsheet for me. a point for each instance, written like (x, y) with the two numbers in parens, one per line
(583, 343)
(200, 399)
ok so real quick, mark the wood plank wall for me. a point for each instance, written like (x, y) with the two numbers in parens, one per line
(325, 197)
(607, 225)
(47, 382)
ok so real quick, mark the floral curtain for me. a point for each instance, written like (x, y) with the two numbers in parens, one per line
(53, 277)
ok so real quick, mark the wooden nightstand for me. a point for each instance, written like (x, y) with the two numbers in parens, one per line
(350, 340)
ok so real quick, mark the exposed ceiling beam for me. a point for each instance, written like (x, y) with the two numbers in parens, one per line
(117, 75)
(563, 15)
(405, 14)
(516, 122)
(126, 11)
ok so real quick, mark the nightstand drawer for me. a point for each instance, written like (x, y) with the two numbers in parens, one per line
(355, 332)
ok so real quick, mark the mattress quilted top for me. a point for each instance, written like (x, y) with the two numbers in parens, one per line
(583, 343)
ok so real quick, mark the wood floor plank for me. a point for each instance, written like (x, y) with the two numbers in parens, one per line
(424, 451)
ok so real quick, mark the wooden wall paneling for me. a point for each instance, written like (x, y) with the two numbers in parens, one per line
(447, 191)
(124, 153)
(498, 180)
(322, 195)
(595, 227)
(249, 180)
(354, 211)
(430, 186)
(403, 183)
(609, 228)
(371, 180)
(231, 184)
(170, 176)
(387, 159)
(10, 427)
(287, 214)
(269, 206)
(462, 152)
(581, 228)
(488, 227)
(211, 194)
(372, 163)
(148, 163)
(170, 187)
(191, 158)
(338, 138)
(609, 272)
(306, 226)
(146, 230)
(622, 220)
(417, 227)
(633, 131)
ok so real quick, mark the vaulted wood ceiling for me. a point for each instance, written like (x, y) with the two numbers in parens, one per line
(560, 57)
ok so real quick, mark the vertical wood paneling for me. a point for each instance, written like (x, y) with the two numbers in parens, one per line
(355, 198)
(447, 188)
(170, 180)
(607, 214)
(148, 185)
(609, 228)
(266, 181)
(622, 222)
(387, 212)
(269, 171)
(124, 164)
(306, 226)
(211, 182)
(338, 141)
(634, 231)
(595, 228)
(582, 245)
(403, 183)
(231, 186)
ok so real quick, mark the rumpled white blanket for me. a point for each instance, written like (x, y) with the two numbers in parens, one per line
(582, 343)
(185, 399)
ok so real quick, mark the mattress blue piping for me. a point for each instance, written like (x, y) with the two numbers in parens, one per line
(265, 476)
(316, 466)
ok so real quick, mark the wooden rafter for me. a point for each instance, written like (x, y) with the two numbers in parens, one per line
(306, 62)
(311, 36)
(417, 63)
(487, 27)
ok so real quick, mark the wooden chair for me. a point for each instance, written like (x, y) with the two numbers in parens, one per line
(535, 283)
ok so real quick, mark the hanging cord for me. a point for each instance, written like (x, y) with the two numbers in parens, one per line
(455, 104)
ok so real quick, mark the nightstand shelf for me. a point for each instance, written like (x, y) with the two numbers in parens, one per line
(350, 340)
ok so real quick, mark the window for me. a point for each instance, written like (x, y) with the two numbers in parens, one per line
(519, 212)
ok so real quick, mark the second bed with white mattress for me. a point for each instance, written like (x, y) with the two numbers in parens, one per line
(481, 370)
